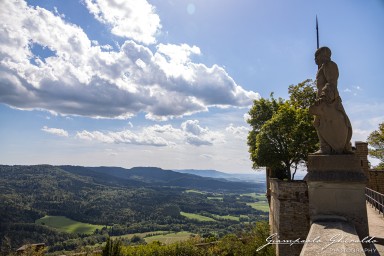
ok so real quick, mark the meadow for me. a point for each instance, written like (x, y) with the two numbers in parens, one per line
(257, 196)
(65, 224)
(196, 216)
(169, 238)
(260, 205)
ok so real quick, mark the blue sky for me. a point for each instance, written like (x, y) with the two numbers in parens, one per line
(168, 83)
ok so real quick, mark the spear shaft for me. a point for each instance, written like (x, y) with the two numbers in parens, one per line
(317, 33)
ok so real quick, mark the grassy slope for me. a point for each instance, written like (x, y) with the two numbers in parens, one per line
(67, 225)
(259, 196)
(169, 238)
(261, 206)
(196, 216)
(227, 217)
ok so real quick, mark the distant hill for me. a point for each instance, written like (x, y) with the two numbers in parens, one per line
(256, 177)
(153, 176)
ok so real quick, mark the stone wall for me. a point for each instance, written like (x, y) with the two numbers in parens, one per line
(362, 152)
(376, 180)
(289, 214)
(375, 177)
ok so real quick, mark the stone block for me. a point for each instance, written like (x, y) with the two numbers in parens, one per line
(336, 187)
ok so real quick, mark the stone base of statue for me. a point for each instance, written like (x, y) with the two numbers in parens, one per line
(336, 189)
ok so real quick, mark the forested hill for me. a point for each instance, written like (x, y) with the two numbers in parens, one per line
(155, 177)
(133, 200)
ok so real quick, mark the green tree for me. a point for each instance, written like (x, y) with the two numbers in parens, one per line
(376, 141)
(112, 248)
(282, 133)
(261, 111)
(137, 240)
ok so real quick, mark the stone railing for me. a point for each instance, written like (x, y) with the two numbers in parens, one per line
(376, 199)
(335, 236)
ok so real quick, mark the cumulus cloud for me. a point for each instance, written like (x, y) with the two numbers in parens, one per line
(198, 136)
(135, 19)
(125, 136)
(240, 132)
(193, 127)
(190, 132)
(55, 131)
(83, 78)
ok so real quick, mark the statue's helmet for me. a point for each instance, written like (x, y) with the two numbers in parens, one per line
(325, 51)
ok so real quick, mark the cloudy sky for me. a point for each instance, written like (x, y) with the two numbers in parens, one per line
(168, 83)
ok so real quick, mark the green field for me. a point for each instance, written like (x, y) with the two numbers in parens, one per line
(169, 238)
(196, 216)
(258, 196)
(261, 206)
(143, 235)
(194, 191)
(220, 198)
(162, 236)
(67, 225)
(226, 217)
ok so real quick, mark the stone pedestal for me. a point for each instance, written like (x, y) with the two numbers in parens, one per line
(336, 188)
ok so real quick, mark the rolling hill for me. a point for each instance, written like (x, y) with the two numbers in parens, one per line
(155, 177)
(139, 199)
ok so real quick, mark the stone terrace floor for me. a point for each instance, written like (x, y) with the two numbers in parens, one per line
(376, 227)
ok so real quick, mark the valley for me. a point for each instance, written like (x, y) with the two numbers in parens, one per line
(67, 207)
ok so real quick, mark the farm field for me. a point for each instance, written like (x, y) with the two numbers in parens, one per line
(220, 198)
(196, 216)
(65, 224)
(143, 235)
(194, 191)
(261, 206)
(227, 217)
(258, 196)
(169, 238)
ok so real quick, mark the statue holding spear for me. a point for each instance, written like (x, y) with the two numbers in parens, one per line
(331, 122)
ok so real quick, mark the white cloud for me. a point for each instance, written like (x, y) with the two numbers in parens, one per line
(198, 136)
(197, 141)
(86, 79)
(360, 135)
(372, 112)
(134, 19)
(206, 156)
(55, 131)
(240, 132)
(246, 117)
(193, 127)
(126, 137)
(354, 90)
(158, 135)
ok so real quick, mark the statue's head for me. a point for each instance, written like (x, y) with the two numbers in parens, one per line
(322, 55)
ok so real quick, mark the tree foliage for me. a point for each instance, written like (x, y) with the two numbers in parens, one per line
(376, 141)
(112, 248)
(246, 243)
(282, 133)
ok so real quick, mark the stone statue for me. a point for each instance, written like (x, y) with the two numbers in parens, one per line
(331, 122)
